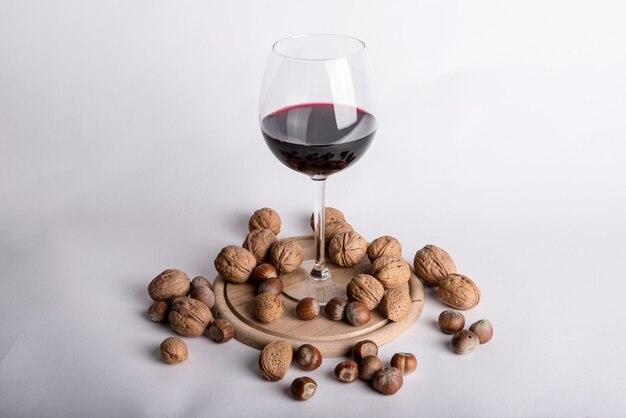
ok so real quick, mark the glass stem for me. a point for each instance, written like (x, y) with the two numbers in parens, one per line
(319, 271)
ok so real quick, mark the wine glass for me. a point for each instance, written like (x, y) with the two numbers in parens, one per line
(316, 115)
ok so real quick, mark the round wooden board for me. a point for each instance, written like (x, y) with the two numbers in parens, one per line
(235, 303)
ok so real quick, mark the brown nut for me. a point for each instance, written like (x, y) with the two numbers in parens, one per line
(364, 349)
(483, 329)
(259, 242)
(158, 311)
(201, 281)
(189, 317)
(347, 249)
(204, 295)
(405, 362)
(262, 272)
(432, 264)
(275, 359)
(265, 218)
(388, 381)
(451, 322)
(347, 371)
(369, 366)
(168, 284)
(235, 264)
(330, 215)
(464, 342)
(173, 350)
(385, 246)
(303, 388)
(220, 331)
(286, 255)
(396, 304)
(458, 291)
(335, 308)
(307, 309)
(357, 313)
(367, 289)
(271, 285)
(392, 272)
(308, 357)
(334, 228)
(268, 307)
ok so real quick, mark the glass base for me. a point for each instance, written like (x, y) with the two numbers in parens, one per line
(299, 284)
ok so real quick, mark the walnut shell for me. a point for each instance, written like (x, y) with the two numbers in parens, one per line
(385, 246)
(330, 215)
(396, 304)
(432, 264)
(334, 228)
(391, 271)
(235, 264)
(458, 291)
(169, 284)
(265, 218)
(275, 359)
(259, 242)
(347, 249)
(268, 307)
(173, 350)
(286, 255)
(189, 317)
(367, 289)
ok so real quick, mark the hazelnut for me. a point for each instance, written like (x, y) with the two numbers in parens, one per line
(391, 271)
(189, 317)
(268, 307)
(308, 357)
(388, 381)
(330, 215)
(271, 285)
(220, 331)
(483, 329)
(204, 295)
(235, 264)
(286, 255)
(158, 311)
(347, 249)
(307, 309)
(201, 281)
(336, 308)
(265, 218)
(363, 349)
(451, 322)
(168, 284)
(432, 264)
(405, 362)
(262, 272)
(369, 366)
(367, 289)
(347, 371)
(259, 242)
(357, 313)
(173, 350)
(458, 291)
(334, 228)
(384, 246)
(303, 388)
(464, 342)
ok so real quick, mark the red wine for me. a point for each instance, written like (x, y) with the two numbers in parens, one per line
(318, 138)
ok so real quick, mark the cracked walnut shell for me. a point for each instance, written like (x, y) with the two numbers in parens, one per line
(391, 271)
(458, 291)
(286, 255)
(189, 317)
(169, 284)
(347, 249)
(235, 264)
(385, 246)
(265, 218)
(432, 264)
(259, 242)
(366, 289)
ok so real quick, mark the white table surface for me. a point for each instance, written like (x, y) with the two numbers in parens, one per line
(129, 144)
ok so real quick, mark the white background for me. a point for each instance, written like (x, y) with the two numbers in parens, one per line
(129, 143)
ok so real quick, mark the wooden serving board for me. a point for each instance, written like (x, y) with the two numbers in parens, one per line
(235, 303)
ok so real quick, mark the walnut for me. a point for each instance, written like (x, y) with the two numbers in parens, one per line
(330, 215)
(286, 255)
(458, 291)
(189, 317)
(265, 218)
(335, 228)
(268, 307)
(384, 246)
(367, 289)
(173, 350)
(347, 249)
(259, 242)
(391, 271)
(235, 264)
(432, 264)
(169, 284)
